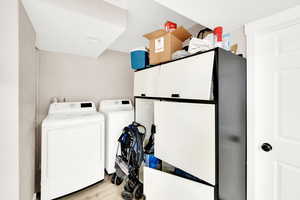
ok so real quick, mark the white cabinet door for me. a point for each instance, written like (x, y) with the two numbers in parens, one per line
(185, 137)
(145, 82)
(189, 78)
(159, 185)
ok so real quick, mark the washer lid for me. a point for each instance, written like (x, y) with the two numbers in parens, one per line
(115, 105)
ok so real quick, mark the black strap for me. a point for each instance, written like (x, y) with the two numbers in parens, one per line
(201, 33)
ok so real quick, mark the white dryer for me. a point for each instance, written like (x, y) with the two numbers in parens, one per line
(72, 148)
(118, 114)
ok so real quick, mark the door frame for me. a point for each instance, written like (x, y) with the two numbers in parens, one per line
(253, 31)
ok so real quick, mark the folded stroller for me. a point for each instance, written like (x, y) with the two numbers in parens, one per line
(129, 160)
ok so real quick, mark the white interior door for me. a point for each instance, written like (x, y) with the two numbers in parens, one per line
(185, 137)
(274, 120)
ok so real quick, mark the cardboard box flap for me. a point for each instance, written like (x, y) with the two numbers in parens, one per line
(155, 34)
(181, 33)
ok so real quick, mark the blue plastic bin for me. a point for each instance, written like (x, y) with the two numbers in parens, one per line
(139, 59)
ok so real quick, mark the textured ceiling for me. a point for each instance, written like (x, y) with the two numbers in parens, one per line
(231, 14)
(78, 27)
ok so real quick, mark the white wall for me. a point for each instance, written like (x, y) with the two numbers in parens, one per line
(195, 29)
(238, 36)
(9, 100)
(82, 78)
(27, 95)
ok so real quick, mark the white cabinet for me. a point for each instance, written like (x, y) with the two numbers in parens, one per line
(145, 82)
(159, 185)
(186, 128)
(189, 78)
(185, 137)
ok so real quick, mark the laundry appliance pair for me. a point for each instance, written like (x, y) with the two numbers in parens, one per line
(79, 143)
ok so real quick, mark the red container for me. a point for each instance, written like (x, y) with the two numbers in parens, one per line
(170, 26)
(218, 31)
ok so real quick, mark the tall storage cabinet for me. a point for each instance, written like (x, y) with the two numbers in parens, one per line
(198, 106)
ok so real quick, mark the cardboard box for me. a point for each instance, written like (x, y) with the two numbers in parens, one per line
(163, 44)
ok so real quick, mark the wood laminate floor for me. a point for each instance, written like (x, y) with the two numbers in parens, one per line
(101, 191)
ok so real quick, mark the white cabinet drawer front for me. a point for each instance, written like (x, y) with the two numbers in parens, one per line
(159, 185)
(185, 137)
(191, 77)
(146, 81)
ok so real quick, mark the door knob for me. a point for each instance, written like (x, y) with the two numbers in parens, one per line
(266, 147)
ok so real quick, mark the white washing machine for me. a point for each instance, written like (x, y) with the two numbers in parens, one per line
(118, 114)
(72, 148)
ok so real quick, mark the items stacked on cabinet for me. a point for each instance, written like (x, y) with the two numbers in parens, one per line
(198, 106)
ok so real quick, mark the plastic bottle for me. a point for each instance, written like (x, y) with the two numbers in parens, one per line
(218, 32)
